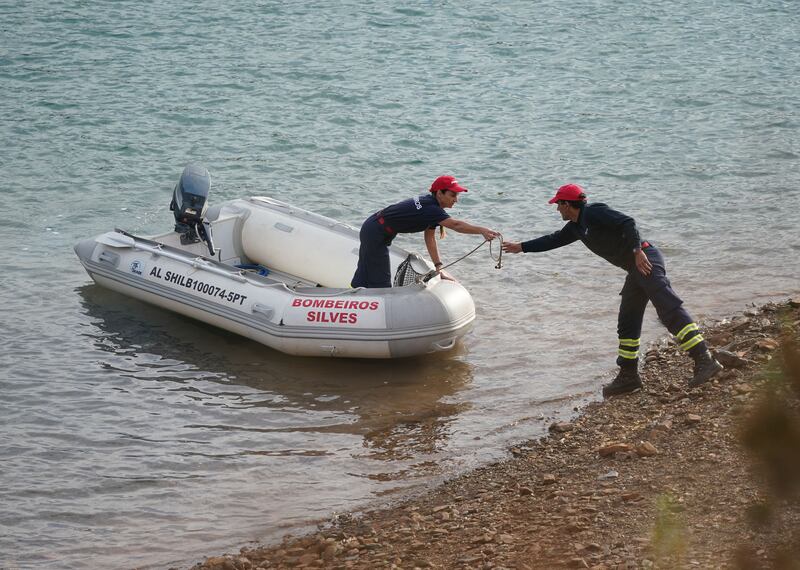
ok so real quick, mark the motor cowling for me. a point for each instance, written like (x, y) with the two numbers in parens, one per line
(190, 198)
(189, 205)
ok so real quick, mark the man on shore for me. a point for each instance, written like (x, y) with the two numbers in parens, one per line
(614, 236)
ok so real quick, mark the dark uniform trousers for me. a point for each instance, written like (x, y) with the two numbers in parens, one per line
(374, 269)
(654, 288)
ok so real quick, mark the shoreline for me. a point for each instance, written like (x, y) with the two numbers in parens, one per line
(653, 479)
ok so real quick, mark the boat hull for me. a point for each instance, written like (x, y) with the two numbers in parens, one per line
(286, 312)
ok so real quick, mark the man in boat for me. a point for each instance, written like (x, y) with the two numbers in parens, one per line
(614, 236)
(420, 214)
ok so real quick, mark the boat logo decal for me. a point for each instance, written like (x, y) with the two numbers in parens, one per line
(137, 267)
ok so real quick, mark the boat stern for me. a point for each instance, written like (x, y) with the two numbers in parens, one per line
(84, 249)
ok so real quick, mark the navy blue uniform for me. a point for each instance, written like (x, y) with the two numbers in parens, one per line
(613, 236)
(377, 232)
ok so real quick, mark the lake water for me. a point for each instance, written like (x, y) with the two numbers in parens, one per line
(133, 437)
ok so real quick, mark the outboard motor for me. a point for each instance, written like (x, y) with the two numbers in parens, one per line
(189, 204)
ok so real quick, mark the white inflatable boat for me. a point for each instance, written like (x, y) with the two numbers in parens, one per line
(279, 275)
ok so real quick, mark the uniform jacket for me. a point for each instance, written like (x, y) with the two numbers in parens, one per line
(414, 214)
(610, 234)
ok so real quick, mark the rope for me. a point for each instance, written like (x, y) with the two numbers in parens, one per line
(498, 259)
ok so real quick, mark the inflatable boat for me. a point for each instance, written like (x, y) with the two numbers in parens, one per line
(279, 275)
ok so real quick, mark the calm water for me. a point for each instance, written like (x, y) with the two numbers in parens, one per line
(132, 437)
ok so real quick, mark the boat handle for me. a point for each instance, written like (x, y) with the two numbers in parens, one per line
(446, 344)
(264, 310)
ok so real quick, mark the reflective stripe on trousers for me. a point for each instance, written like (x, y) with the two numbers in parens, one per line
(638, 291)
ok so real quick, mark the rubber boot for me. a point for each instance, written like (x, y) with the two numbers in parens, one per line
(626, 381)
(705, 368)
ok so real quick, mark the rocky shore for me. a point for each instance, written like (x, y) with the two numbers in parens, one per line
(665, 477)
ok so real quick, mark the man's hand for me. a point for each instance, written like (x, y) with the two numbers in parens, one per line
(512, 247)
(642, 263)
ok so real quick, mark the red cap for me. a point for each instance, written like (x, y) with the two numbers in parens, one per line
(568, 192)
(447, 183)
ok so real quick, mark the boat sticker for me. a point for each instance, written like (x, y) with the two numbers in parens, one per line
(137, 267)
(204, 287)
(351, 313)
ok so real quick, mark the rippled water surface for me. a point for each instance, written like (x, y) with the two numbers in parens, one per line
(133, 437)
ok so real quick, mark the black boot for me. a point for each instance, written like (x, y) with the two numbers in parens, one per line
(626, 381)
(705, 368)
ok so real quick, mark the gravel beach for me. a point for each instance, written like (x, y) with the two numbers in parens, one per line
(665, 477)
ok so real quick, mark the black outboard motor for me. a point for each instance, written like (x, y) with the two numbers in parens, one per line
(189, 204)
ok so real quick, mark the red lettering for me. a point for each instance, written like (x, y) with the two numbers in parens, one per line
(331, 317)
(331, 304)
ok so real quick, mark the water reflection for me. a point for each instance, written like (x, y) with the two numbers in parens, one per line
(402, 408)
